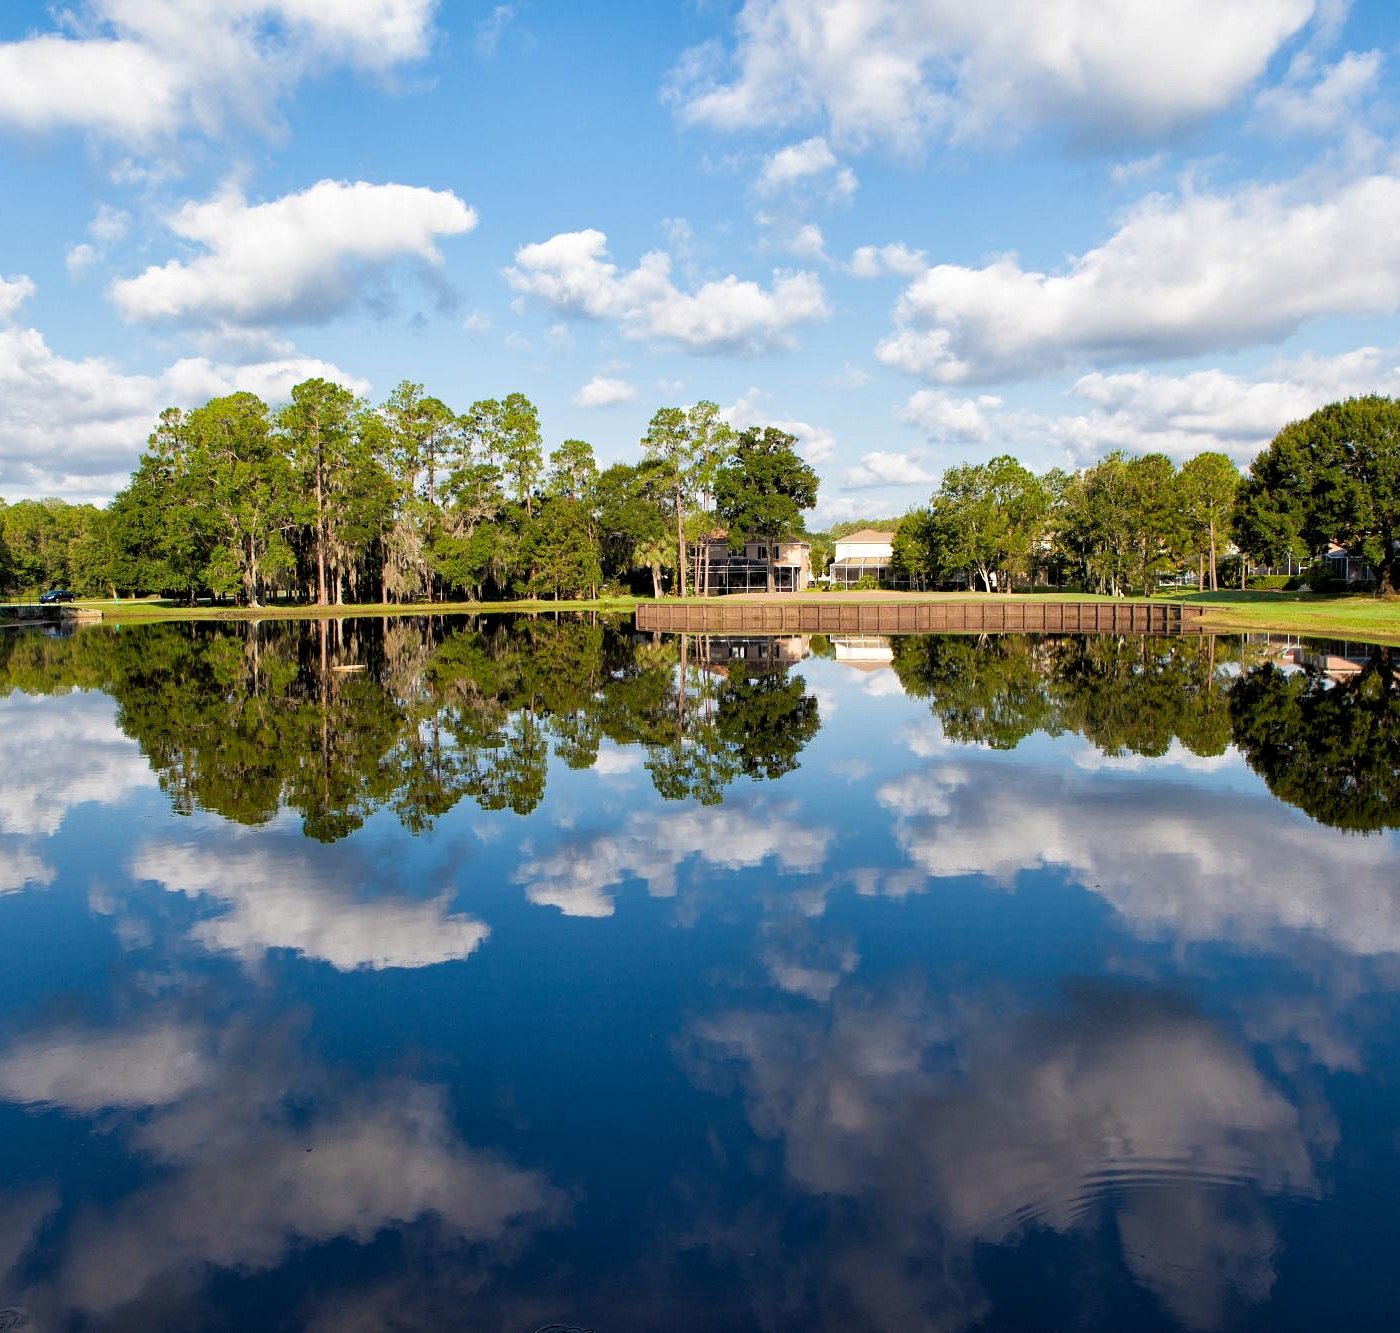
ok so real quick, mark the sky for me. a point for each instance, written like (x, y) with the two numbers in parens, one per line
(911, 232)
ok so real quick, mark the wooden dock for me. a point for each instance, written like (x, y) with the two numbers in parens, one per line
(1014, 615)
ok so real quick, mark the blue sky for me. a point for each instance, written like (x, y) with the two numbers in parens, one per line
(911, 231)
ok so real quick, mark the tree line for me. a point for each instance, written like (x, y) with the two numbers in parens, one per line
(332, 500)
(1127, 522)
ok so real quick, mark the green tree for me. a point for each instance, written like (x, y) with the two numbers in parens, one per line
(987, 519)
(237, 470)
(1206, 487)
(762, 491)
(1334, 476)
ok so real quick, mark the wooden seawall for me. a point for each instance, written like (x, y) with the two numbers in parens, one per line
(912, 616)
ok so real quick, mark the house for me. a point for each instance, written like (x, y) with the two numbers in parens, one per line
(1345, 567)
(716, 568)
(719, 653)
(863, 554)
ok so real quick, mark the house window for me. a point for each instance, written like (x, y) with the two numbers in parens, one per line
(763, 553)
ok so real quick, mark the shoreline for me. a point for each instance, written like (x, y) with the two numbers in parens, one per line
(1362, 618)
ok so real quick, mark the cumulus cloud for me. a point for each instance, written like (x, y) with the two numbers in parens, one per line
(903, 72)
(277, 896)
(135, 71)
(887, 468)
(815, 443)
(489, 31)
(573, 273)
(577, 875)
(107, 227)
(303, 258)
(875, 261)
(806, 167)
(604, 391)
(1180, 275)
(1321, 101)
(942, 417)
(76, 428)
(14, 292)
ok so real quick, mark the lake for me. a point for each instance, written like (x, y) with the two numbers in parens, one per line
(506, 973)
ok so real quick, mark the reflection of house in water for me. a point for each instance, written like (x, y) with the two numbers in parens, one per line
(721, 651)
(720, 569)
(864, 652)
(1337, 660)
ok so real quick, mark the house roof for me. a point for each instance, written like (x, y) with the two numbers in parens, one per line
(866, 535)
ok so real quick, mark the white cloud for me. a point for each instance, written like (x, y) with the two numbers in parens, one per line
(76, 428)
(942, 417)
(874, 261)
(883, 468)
(278, 897)
(815, 443)
(1182, 415)
(808, 243)
(490, 30)
(1312, 101)
(1179, 276)
(107, 227)
(850, 377)
(303, 258)
(477, 322)
(577, 875)
(573, 273)
(14, 292)
(806, 168)
(900, 72)
(140, 70)
(604, 391)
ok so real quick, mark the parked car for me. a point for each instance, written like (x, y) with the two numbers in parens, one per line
(56, 595)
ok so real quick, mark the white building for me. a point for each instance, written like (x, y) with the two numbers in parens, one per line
(863, 554)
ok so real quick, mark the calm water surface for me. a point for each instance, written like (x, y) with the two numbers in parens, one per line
(539, 972)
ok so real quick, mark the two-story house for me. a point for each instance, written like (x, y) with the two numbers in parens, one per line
(716, 568)
(863, 554)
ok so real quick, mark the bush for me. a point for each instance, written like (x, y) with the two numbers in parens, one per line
(866, 583)
(1268, 582)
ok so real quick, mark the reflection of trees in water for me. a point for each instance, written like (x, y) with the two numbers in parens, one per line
(1332, 749)
(244, 720)
(1123, 694)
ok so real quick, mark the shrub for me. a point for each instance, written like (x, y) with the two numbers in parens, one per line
(1268, 582)
(866, 583)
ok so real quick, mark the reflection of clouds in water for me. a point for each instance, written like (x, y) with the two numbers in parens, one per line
(613, 760)
(21, 868)
(1173, 860)
(59, 752)
(953, 1126)
(89, 1071)
(265, 1155)
(282, 893)
(576, 874)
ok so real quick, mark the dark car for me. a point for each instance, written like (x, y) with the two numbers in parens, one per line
(56, 595)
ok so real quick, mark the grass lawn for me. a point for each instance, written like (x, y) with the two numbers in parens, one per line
(1323, 615)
